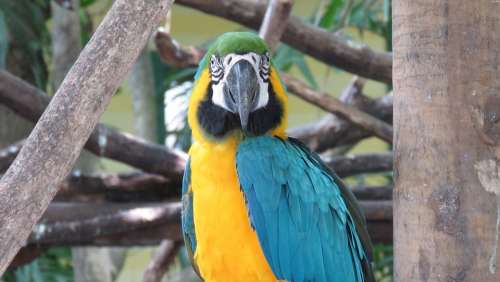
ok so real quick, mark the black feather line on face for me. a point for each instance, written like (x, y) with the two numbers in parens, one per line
(218, 122)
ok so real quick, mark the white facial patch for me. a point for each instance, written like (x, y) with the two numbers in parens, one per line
(220, 68)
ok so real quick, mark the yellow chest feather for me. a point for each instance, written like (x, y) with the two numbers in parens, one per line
(227, 246)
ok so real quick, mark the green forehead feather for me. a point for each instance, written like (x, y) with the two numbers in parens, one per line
(237, 42)
(233, 42)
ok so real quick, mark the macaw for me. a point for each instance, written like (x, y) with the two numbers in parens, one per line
(257, 204)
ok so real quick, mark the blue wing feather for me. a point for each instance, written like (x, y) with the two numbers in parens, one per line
(304, 226)
(187, 220)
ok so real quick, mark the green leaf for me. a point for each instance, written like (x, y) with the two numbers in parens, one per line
(286, 57)
(329, 19)
(86, 3)
(306, 71)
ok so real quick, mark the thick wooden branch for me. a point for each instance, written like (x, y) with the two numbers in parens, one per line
(362, 163)
(111, 224)
(29, 102)
(319, 43)
(50, 151)
(329, 103)
(161, 261)
(114, 187)
(114, 219)
(144, 187)
(275, 21)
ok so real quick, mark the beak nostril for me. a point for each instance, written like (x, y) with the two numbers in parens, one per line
(231, 95)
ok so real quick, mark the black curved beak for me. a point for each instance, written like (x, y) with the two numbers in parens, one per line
(241, 90)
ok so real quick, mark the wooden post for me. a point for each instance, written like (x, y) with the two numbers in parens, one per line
(446, 108)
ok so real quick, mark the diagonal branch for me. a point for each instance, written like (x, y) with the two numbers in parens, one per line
(329, 103)
(50, 151)
(332, 131)
(29, 102)
(317, 42)
(162, 259)
(275, 21)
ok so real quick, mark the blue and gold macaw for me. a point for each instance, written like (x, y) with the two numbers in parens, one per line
(258, 205)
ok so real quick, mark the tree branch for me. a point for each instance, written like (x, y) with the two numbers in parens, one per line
(114, 219)
(50, 151)
(317, 42)
(111, 224)
(123, 187)
(29, 102)
(275, 21)
(162, 259)
(333, 105)
(362, 163)
(332, 131)
(143, 187)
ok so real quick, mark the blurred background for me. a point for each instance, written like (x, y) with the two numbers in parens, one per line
(39, 40)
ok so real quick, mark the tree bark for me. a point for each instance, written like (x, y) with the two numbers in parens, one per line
(446, 109)
(90, 264)
(52, 148)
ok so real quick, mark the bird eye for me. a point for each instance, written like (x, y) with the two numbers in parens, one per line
(216, 69)
(264, 66)
(213, 61)
(265, 60)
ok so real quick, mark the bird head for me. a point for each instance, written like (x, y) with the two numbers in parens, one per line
(237, 92)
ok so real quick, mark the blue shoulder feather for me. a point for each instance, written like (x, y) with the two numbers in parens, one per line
(303, 223)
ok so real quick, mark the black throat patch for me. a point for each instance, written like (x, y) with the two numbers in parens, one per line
(218, 122)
